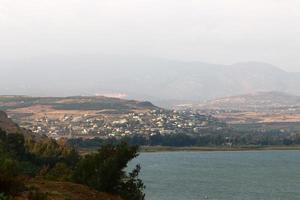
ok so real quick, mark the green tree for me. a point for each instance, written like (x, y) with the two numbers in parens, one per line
(105, 171)
(15, 145)
(48, 152)
(9, 183)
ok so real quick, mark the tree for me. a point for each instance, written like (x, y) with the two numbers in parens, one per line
(105, 171)
(48, 152)
(9, 170)
(60, 172)
(15, 145)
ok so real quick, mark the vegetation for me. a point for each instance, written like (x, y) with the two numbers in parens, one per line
(105, 171)
(3, 197)
(23, 159)
(226, 137)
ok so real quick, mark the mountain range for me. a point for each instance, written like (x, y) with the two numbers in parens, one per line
(156, 80)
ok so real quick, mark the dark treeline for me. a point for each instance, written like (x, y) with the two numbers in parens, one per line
(183, 140)
(26, 158)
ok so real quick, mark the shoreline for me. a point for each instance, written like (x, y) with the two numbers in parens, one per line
(153, 149)
(157, 149)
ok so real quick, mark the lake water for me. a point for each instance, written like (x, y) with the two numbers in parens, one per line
(255, 175)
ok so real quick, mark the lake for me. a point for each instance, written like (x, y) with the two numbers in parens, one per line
(253, 175)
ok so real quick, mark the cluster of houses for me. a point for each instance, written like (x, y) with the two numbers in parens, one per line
(153, 122)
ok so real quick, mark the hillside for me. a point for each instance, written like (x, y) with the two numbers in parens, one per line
(102, 117)
(66, 190)
(143, 78)
(260, 107)
(73, 103)
(24, 107)
(7, 124)
(261, 101)
(61, 113)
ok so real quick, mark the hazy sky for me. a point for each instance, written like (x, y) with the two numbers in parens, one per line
(215, 31)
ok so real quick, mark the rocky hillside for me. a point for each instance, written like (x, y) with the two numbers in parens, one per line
(7, 124)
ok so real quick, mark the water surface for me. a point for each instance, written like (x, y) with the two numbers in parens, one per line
(254, 175)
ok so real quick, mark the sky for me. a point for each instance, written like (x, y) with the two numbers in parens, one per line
(213, 31)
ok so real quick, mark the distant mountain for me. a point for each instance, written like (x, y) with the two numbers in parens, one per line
(157, 80)
(261, 101)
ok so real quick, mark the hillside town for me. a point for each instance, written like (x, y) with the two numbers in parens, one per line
(149, 123)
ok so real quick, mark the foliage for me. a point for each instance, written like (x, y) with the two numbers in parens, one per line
(8, 169)
(49, 152)
(60, 172)
(12, 144)
(133, 186)
(28, 168)
(105, 171)
(54, 160)
(233, 137)
(3, 197)
(20, 157)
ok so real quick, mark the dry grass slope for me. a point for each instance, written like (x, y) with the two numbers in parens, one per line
(67, 191)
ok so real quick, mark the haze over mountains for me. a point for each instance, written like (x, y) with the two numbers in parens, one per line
(142, 78)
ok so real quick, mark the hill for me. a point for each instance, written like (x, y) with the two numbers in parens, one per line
(102, 117)
(143, 78)
(24, 107)
(73, 103)
(60, 113)
(261, 101)
(260, 107)
(7, 124)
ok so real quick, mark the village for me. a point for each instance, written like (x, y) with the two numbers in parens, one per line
(149, 123)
